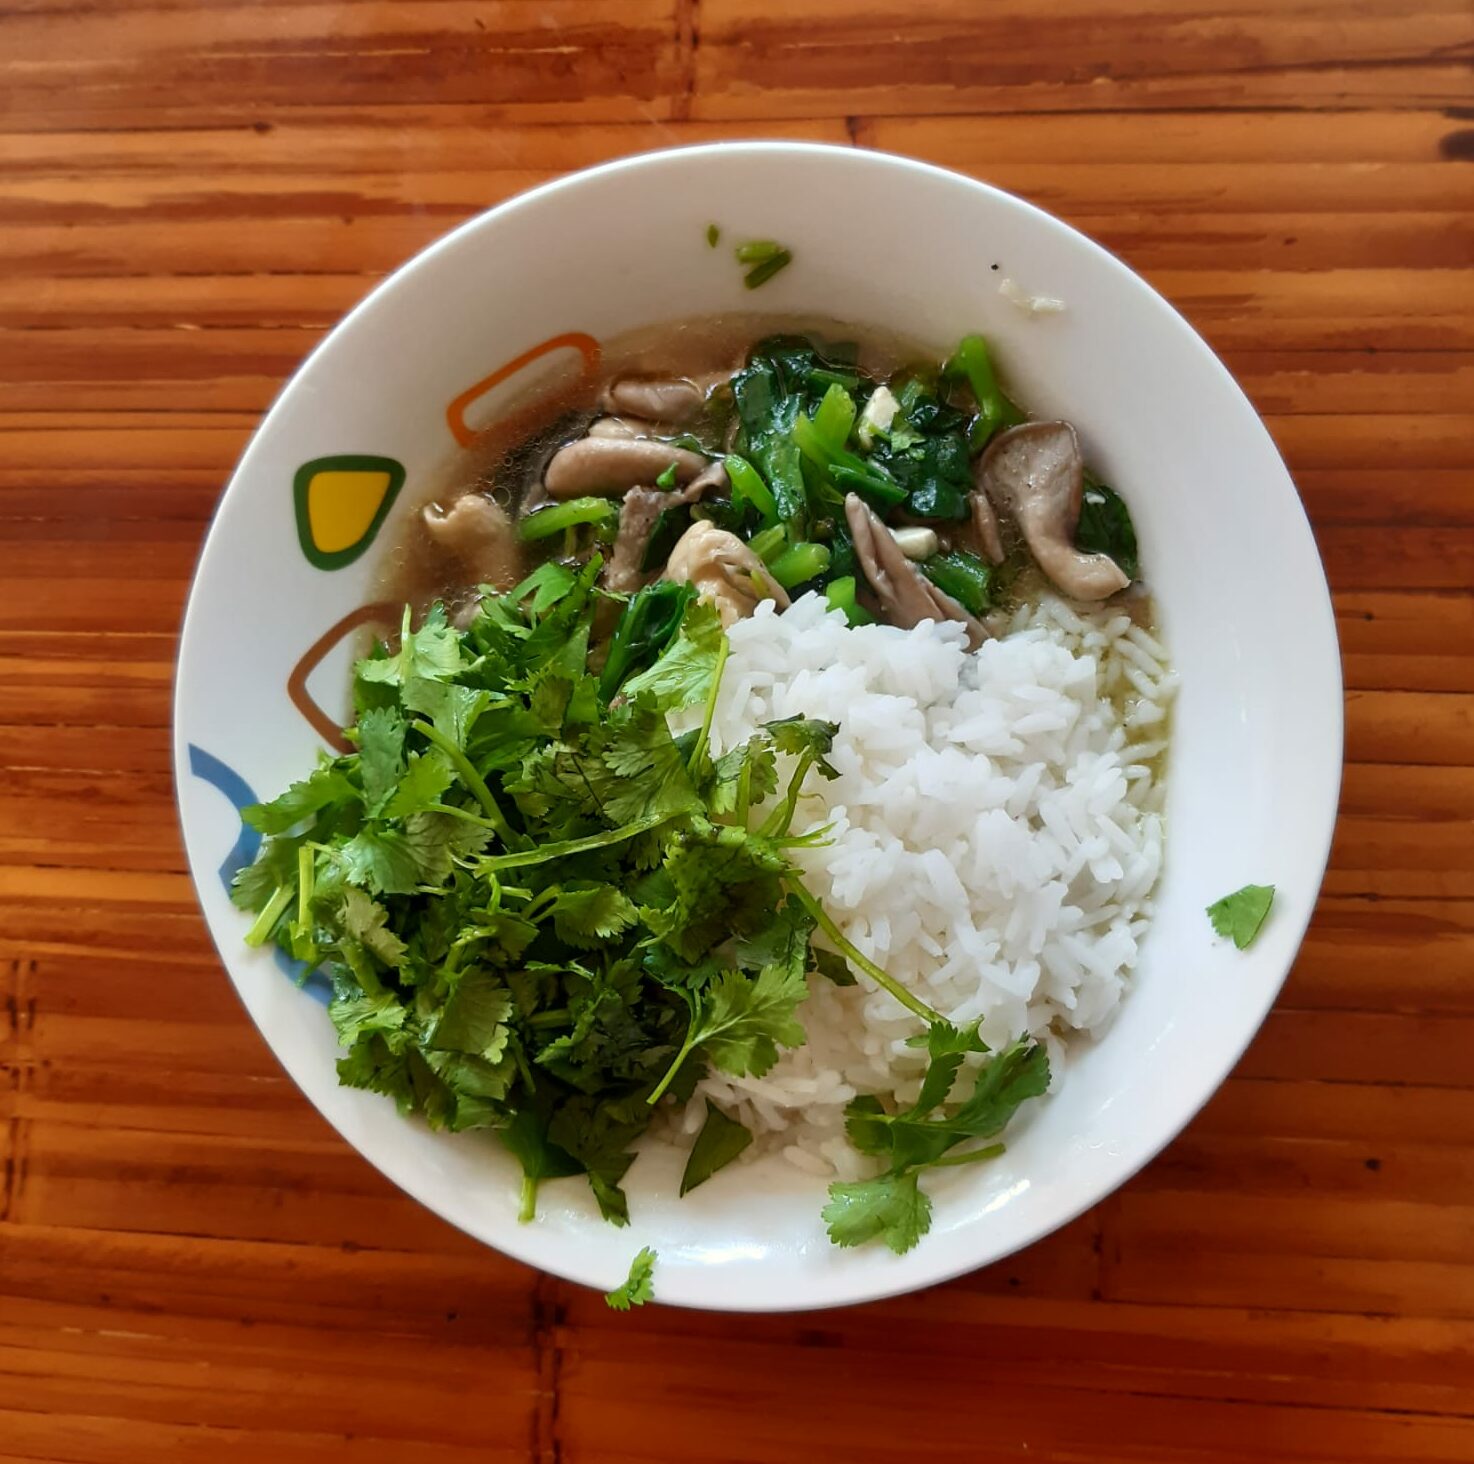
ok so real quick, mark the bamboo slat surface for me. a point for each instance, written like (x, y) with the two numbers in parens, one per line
(191, 1264)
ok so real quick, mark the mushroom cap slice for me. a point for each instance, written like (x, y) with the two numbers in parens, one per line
(613, 465)
(638, 516)
(675, 399)
(724, 570)
(1035, 472)
(905, 594)
(985, 521)
(478, 533)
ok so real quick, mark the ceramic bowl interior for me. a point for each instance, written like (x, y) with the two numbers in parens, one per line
(532, 289)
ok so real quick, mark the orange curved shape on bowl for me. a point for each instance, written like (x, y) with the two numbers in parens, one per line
(586, 346)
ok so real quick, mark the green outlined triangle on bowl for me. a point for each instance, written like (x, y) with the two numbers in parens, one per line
(341, 503)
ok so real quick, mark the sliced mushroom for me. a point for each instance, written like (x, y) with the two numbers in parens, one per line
(905, 594)
(985, 521)
(638, 516)
(611, 465)
(621, 427)
(668, 399)
(724, 571)
(478, 533)
(1036, 473)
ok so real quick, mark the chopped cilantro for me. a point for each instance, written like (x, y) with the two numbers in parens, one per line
(893, 1207)
(636, 1289)
(540, 911)
(1240, 915)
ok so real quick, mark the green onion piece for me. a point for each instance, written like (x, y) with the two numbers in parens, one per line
(765, 271)
(747, 485)
(667, 478)
(973, 361)
(713, 234)
(963, 576)
(843, 467)
(834, 418)
(758, 251)
(549, 521)
(798, 563)
(823, 376)
(881, 492)
(841, 596)
(770, 543)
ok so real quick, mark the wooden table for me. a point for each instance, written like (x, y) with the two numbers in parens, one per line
(191, 1265)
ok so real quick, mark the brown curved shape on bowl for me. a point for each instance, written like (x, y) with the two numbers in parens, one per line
(311, 658)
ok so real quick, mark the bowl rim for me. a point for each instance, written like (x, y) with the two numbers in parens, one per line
(855, 1289)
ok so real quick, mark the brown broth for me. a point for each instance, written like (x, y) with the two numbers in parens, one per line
(502, 462)
(507, 458)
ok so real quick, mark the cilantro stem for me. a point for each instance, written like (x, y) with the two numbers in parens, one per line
(305, 883)
(529, 1200)
(744, 795)
(780, 820)
(991, 1151)
(699, 751)
(545, 852)
(856, 957)
(471, 778)
(265, 922)
(686, 1049)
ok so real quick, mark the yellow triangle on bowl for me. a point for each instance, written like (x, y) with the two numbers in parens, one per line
(341, 502)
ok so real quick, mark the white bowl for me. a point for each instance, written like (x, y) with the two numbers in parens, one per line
(878, 241)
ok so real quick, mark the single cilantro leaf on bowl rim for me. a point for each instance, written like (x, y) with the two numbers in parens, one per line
(1240, 916)
(637, 1288)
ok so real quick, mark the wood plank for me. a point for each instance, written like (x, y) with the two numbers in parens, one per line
(588, 59)
(799, 57)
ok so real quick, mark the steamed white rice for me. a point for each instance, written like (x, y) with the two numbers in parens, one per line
(996, 835)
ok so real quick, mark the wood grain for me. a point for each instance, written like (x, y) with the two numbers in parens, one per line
(191, 1263)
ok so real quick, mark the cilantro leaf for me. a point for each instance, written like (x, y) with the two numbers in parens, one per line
(326, 785)
(683, 674)
(589, 914)
(355, 1012)
(366, 921)
(424, 781)
(380, 753)
(745, 1020)
(636, 1289)
(833, 968)
(547, 584)
(475, 1017)
(433, 652)
(452, 710)
(744, 776)
(527, 1137)
(598, 1136)
(1240, 915)
(893, 1207)
(437, 840)
(381, 860)
(720, 1141)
